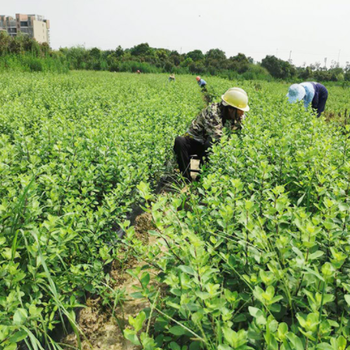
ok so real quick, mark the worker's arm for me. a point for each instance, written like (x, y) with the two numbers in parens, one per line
(212, 124)
(307, 99)
(237, 123)
(309, 93)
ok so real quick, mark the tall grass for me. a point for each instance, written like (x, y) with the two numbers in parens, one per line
(30, 63)
(133, 66)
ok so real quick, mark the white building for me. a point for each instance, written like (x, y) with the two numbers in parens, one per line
(35, 26)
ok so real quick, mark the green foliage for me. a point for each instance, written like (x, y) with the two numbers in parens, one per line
(278, 68)
(255, 256)
(30, 63)
(21, 53)
(215, 54)
(39, 57)
(73, 151)
(195, 55)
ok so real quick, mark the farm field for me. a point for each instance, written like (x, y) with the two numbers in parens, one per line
(255, 256)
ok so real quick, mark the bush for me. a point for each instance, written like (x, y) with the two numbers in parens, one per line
(35, 65)
(29, 63)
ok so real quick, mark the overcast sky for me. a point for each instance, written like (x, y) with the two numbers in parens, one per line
(309, 30)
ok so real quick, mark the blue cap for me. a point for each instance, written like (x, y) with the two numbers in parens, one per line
(296, 93)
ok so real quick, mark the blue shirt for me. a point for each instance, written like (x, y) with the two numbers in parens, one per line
(316, 94)
(202, 82)
(310, 93)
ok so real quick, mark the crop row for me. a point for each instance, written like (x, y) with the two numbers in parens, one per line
(256, 256)
(73, 148)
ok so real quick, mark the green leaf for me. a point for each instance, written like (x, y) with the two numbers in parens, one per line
(282, 330)
(316, 255)
(235, 339)
(131, 336)
(276, 299)
(296, 341)
(275, 307)
(187, 269)
(10, 347)
(324, 346)
(273, 325)
(174, 346)
(177, 330)
(195, 346)
(224, 347)
(137, 295)
(340, 343)
(314, 272)
(145, 279)
(258, 315)
(240, 318)
(20, 316)
(137, 322)
(203, 295)
(18, 336)
(301, 199)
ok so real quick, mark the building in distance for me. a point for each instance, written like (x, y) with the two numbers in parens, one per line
(35, 26)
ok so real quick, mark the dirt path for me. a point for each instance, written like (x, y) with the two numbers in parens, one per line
(99, 326)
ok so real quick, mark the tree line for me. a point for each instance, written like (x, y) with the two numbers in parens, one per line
(159, 60)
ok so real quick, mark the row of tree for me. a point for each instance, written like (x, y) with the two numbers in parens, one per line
(213, 62)
(147, 59)
(285, 70)
(22, 44)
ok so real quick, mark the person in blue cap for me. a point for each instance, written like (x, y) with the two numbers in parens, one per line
(314, 93)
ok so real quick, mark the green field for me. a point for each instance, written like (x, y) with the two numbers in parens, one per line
(257, 252)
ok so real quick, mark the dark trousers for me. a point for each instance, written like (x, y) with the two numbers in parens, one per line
(322, 101)
(184, 148)
(320, 98)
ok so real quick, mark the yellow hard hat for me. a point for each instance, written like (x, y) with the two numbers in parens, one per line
(236, 97)
(237, 89)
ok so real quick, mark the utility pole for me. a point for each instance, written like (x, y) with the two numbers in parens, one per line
(325, 62)
(290, 57)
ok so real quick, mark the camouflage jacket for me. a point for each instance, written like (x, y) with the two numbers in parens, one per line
(209, 124)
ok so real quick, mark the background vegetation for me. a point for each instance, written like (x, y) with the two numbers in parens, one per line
(25, 54)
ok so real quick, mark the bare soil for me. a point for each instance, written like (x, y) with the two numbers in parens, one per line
(100, 328)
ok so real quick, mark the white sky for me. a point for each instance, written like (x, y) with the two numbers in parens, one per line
(311, 29)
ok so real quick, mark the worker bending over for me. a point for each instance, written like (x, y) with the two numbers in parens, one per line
(202, 83)
(208, 126)
(314, 93)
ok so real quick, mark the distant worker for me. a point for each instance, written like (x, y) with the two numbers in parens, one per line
(208, 126)
(138, 71)
(202, 83)
(314, 93)
(171, 77)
